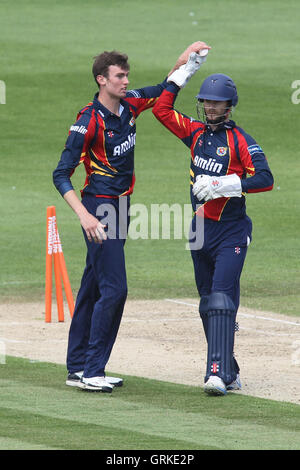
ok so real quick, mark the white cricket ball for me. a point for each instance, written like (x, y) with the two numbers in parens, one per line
(203, 52)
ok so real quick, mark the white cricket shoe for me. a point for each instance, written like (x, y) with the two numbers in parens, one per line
(74, 380)
(115, 381)
(215, 386)
(96, 384)
(236, 384)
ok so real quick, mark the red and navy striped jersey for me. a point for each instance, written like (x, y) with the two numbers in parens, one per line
(104, 143)
(224, 151)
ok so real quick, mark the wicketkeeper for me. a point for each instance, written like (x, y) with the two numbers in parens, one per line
(222, 155)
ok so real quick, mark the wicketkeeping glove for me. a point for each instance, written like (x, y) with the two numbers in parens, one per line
(212, 187)
(184, 73)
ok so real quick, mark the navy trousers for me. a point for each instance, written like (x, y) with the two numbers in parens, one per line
(219, 261)
(102, 294)
(218, 258)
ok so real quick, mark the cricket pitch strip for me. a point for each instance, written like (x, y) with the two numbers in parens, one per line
(164, 340)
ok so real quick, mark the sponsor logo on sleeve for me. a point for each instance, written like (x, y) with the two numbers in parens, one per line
(252, 149)
(80, 129)
(134, 93)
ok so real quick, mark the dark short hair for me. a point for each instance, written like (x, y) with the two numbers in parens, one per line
(105, 59)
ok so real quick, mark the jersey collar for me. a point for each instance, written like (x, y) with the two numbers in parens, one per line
(103, 111)
(225, 125)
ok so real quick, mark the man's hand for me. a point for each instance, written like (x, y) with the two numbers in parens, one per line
(197, 47)
(212, 187)
(93, 228)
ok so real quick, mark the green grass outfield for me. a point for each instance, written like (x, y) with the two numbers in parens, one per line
(46, 57)
(38, 411)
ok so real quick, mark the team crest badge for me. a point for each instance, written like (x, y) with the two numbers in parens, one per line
(221, 151)
(132, 122)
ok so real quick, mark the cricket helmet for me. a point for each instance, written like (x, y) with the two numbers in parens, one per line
(218, 87)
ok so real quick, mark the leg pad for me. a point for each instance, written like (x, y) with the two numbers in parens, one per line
(221, 314)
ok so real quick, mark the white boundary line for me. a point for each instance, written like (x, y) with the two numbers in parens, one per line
(246, 315)
(29, 341)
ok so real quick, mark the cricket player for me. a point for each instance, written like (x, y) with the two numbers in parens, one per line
(226, 164)
(103, 139)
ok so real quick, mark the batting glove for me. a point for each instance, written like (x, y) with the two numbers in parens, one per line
(212, 187)
(184, 73)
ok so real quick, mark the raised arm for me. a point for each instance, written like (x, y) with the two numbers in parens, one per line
(197, 47)
(186, 65)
